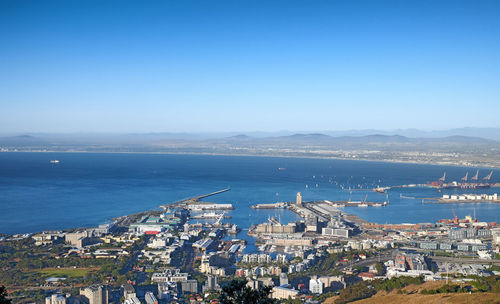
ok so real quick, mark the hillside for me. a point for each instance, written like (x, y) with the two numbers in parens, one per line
(412, 296)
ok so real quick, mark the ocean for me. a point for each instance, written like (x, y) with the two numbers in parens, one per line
(87, 189)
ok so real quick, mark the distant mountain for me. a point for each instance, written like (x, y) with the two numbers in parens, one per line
(488, 133)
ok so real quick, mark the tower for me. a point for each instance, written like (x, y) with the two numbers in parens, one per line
(299, 199)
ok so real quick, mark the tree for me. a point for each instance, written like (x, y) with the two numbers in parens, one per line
(380, 268)
(237, 292)
(3, 296)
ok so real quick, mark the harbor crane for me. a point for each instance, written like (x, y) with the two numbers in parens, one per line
(465, 177)
(219, 219)
(442, 179)
(475, 177)
(488, 177)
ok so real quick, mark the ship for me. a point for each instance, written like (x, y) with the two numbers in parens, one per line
(54, 161)
(464, 183)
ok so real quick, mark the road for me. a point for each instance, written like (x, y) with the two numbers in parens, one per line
(463, 260)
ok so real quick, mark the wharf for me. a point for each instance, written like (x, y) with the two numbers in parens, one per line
(279, 205)
(454, 201)
(209, 216)
(354, 204)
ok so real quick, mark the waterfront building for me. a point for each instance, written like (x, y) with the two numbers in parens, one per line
(149, 224)
(275, 227)
(204, 244)
(335, 232)
(292, 241)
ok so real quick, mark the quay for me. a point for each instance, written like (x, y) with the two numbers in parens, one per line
(465, 198)
(279, 205)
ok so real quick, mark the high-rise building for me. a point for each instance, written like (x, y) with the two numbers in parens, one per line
(55, 299)
(189, 286)
(283, 279)
(299, 199)
(96, 294)
(128, 291)
(212, 283)
(150, 298)
(316, 286)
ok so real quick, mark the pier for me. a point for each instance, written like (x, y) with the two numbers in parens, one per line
(191, 200)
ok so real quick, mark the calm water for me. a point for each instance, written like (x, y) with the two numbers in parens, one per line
(88, 189)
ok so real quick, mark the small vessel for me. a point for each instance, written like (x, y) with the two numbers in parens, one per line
(377, 205)
(363, 205)
(54, 161)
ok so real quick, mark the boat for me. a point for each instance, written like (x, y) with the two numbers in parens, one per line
(54, 161)
(377, 205)
(363, 205)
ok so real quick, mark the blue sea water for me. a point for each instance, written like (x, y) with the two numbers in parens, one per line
(87, 189)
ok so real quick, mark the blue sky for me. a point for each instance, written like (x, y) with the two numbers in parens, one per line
(212, 66)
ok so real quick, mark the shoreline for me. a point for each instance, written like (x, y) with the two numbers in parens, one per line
(494, 167)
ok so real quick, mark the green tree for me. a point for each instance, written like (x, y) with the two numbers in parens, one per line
(237, 292)
(3, 296)
(380, 268)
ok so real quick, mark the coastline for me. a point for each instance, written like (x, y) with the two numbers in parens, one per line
(489, 166)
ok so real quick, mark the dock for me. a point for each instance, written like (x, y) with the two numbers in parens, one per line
(279, 205)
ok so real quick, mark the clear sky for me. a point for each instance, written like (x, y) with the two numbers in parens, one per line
(191, 66)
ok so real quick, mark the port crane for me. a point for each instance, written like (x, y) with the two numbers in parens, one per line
(455, 218)
(442, 179)
(475, 177)
(488, 177)
(464, 179)
(219, 219)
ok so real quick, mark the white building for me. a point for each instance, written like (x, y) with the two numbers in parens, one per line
(316, 286)
(55, 299)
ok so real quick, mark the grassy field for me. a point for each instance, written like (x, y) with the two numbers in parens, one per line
(413, 296)
(70, 273)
